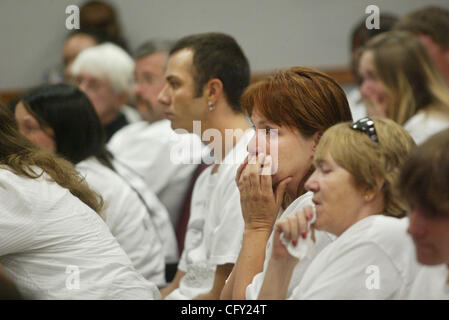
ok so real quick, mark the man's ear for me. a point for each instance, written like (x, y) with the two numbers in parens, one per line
(213, 90)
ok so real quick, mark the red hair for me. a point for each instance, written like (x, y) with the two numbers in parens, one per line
(299, 97)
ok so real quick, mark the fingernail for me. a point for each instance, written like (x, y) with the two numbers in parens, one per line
(294, 242)
(310, 216)
(303, 235)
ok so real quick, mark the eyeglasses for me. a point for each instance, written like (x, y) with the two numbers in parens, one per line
(366, 125)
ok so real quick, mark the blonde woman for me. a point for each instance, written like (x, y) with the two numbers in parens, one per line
(401, 82)
(356, 168)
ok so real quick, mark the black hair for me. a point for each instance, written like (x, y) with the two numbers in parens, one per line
(69, 112)
(217, 55)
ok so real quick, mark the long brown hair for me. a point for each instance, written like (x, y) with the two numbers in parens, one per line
(20, 156)
(410, 76)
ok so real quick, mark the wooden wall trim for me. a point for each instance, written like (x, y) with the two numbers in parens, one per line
(342, 75)
(7, 95)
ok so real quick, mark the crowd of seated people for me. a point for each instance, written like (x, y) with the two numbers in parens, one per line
(167, 174)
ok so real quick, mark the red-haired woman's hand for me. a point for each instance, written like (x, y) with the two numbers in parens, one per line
(260, 203)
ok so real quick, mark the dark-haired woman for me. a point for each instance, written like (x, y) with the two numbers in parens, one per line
(61, 119)
(53, 243)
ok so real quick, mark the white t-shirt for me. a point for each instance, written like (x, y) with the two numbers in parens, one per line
(53, 246)
(128, 219)
(149, 151)
(373, 259)
(322, 240)
(215, 228)
(425, 124)
(431, 284)
(160, 217)
(358, 109)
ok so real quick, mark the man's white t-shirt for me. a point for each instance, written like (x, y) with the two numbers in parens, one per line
(425, 124)
(215, 227)
(322, 240)
(372, 259)
(151, 152)
(128, 219)
(53, 246)
(432, 283)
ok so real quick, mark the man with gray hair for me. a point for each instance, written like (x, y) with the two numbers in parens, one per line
(105, 74)
(145, 149)
(150, 59)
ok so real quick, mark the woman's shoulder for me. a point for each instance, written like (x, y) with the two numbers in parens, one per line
(9, 179)
(101, 177)
(426, 123)
(383, 234)
(378, 228)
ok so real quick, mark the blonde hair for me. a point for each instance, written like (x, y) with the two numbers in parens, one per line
(20, 156)
(410, 77)
(368, 161)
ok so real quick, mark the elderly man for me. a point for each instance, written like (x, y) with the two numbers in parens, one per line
(105, 74)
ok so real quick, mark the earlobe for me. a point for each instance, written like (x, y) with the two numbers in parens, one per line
(214, 90)
(370, 194)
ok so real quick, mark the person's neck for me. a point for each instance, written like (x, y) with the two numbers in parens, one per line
(295, 189)
(154, 119)
(374, 207)
(110, 117)
(226, 122)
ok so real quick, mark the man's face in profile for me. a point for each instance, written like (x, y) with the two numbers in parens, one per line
(182, 107)
(149, 82)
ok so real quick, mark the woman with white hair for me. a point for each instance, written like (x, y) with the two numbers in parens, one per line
(105, 73)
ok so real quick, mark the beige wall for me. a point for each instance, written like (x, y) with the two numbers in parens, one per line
(273, 33)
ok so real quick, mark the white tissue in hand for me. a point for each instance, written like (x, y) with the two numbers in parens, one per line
(303, 246)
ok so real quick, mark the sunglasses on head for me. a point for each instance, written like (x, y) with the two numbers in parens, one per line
(366, 125)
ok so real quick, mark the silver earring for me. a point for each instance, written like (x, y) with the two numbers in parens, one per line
(211, 106)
